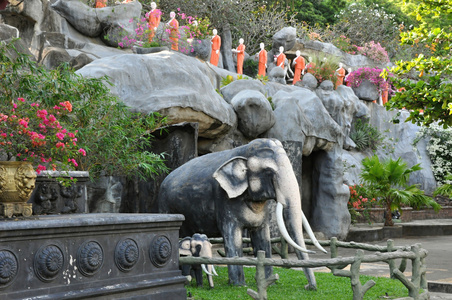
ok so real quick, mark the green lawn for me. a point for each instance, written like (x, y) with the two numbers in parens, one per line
(291, 286)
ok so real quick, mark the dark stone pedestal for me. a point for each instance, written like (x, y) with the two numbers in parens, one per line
(95, 256)
(50, 197)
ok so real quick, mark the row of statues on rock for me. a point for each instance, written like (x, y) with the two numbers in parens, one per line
(299, 63)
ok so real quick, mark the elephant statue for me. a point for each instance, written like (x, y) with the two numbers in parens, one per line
(198, 246)
(223, 193)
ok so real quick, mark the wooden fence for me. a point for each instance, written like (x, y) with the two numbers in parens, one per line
(386, 254)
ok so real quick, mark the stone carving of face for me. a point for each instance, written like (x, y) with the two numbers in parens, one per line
(172, 15)
(153, 5)
(340, 65)
(214, 32)
(262, 46)
(297, 53)
(281, 49)
(241, 41)
(25, 178)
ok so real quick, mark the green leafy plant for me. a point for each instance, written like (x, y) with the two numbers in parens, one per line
(366, 136)
(345, 44)
(388, 182)
(324, 68)
(445, 189)
(250, 67)
(117, 141)
(359, 200)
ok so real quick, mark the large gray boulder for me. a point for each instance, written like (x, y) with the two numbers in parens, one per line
(111, 22)
(286, 37)
(254, 112)
(367, 91)
(277, 75)
(229, 91)
(301, 116)
(309, 81)
(8, 32)
(177, 86)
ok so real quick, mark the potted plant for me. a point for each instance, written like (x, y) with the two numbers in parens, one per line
(33, 139)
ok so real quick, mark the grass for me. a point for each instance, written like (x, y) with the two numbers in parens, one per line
(291, 286)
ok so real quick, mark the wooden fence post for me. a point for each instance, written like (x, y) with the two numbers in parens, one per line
(261, 282)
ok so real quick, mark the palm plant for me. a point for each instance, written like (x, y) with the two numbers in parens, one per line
(387, 180)
(445, 189)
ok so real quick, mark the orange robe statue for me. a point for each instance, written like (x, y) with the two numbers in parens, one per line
(299, 66)
(340, 73)
(262, 62)
(174, 34)
(384, 93)
(280, 59)
(240, 58)
(101, 3)
(214, 56)
(154, 21)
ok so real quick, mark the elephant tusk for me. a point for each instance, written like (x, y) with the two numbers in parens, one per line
(308, 229)
(213, 271)
(283, 230)
(203, 266)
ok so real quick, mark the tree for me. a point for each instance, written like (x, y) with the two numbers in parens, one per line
(247, 19)
(428, 93)
(387, 182)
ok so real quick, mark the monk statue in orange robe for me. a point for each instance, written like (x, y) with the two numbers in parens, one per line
(340, 73)
(173, 25)
(240, 51)
(262, 55)
(101, 3)
(347, 81)
(299, 63)
(280, 58)
(384, 93)
(154, 20)
(216, 44)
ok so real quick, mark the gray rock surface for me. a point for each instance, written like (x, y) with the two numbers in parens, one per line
(286, 37)
(301, 116)
(277, 75)
(8, 32)
(235, 87)
(174, 84)
(93, 22)
(398, 143)
(308, 81)
(254, 112)
(201, 49)
(367, 91)
(225, 50)
(53, 57)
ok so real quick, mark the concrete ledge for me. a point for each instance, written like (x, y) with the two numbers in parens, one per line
(439, 287)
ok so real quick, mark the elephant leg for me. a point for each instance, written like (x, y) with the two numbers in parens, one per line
(233, 247)
(308, 272)
(260, 240)
(198, 275)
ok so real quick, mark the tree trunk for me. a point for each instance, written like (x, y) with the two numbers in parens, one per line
(388, 217)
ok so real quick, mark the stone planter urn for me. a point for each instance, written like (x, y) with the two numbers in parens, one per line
(17, 182)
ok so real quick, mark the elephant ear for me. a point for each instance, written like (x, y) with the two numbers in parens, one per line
(232, 176)
(184, 246)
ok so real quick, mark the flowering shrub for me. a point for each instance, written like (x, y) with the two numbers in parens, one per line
(355, 78)
(32, 134)
(439, 149)
(323, 69)
(375, 52)
(344, 43)
(359, 200)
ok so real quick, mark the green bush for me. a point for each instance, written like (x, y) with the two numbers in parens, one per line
(115, 139)
(366, 136)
